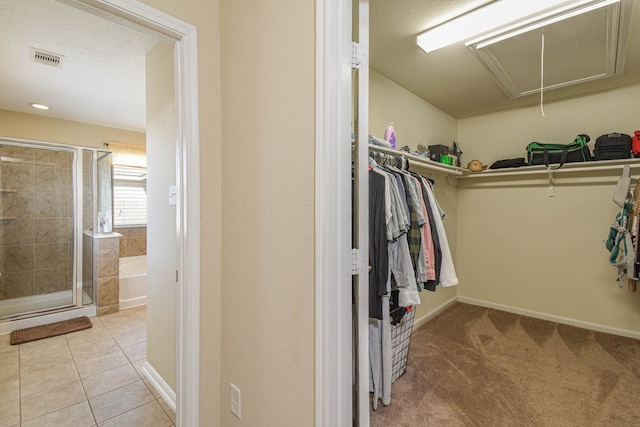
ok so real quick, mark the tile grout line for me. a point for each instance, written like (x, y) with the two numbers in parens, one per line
(159, 399)
(141, 378)
(74, 357)
(156, 399)
(20, 383)
(75, 364)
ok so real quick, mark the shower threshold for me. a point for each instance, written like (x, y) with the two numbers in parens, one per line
(39, 310)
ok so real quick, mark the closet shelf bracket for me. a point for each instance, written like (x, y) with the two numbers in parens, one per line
(552, 182)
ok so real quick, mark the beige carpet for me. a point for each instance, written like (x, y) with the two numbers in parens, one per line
(473, 366)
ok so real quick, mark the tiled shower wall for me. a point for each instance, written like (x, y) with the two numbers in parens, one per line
(133, 241)
(36, 226)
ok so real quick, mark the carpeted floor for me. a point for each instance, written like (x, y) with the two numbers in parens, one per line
(473, 366)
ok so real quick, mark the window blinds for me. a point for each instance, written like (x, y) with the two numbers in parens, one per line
(129, 196)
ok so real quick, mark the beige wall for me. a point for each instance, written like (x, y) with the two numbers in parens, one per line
(416, 121)
(39, 128)
(205, 16)
(161, 235)
(505, 135)
(268, 146)
(520, 248)
(257, 324)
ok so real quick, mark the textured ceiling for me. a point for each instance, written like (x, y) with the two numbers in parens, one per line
(452, 78)
(102, 77)
(101, 80)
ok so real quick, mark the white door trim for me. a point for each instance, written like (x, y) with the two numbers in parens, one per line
(363, 217)
(145, 18)
(333, 406)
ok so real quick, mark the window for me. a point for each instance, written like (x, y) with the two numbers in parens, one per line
(129, 196)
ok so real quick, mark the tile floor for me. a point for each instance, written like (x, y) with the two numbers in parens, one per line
(86, 378)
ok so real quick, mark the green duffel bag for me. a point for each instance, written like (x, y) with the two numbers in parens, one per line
(542, 153)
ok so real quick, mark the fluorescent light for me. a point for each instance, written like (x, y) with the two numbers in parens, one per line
(39, 106)
(540, 24)
(498, 14)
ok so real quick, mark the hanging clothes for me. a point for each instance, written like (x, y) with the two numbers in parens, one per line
(428, 245)
(378, 245)
(403, 274)
(399, 271)
(448, 275)
(380, 357)
(436, 255)
(408, 252)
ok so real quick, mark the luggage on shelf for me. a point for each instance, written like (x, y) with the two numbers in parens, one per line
(612, 146)
(542, 153)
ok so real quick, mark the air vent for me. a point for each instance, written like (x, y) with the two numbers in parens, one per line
(44, 57)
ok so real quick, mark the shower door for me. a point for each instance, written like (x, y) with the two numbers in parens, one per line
(36, 228)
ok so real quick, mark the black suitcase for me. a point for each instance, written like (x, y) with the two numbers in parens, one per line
(509, 163)
(612, 146)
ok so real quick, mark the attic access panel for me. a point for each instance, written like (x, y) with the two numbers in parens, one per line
(579, 49)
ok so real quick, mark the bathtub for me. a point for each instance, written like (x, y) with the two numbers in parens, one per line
(133, 281)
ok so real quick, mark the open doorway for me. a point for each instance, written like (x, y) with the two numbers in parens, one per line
(184, 157)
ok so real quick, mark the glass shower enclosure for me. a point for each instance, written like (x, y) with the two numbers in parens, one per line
(47, 210)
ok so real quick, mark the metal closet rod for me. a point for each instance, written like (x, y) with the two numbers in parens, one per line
(498, 173)
(418, 161)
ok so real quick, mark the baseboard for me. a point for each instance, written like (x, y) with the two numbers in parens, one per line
(132, 302)
(160, 385)
(417, 323)
(550, 317)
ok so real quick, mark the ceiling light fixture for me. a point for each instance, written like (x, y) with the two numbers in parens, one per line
(39, 106)
(526, 27)
(504, 18)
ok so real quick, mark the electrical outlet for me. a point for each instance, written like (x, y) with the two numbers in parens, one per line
(235, 400)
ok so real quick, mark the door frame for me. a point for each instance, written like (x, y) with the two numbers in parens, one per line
(333, 324)
(184, 36)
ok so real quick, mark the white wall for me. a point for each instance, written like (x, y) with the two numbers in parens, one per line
(520, 249)
(416, 121)
(161, 227)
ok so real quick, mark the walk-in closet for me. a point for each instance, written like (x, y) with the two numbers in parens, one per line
(537, 328)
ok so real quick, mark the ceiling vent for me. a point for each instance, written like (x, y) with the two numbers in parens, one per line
(44, 57)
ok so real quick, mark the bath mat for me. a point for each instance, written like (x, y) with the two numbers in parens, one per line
(21, 336)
